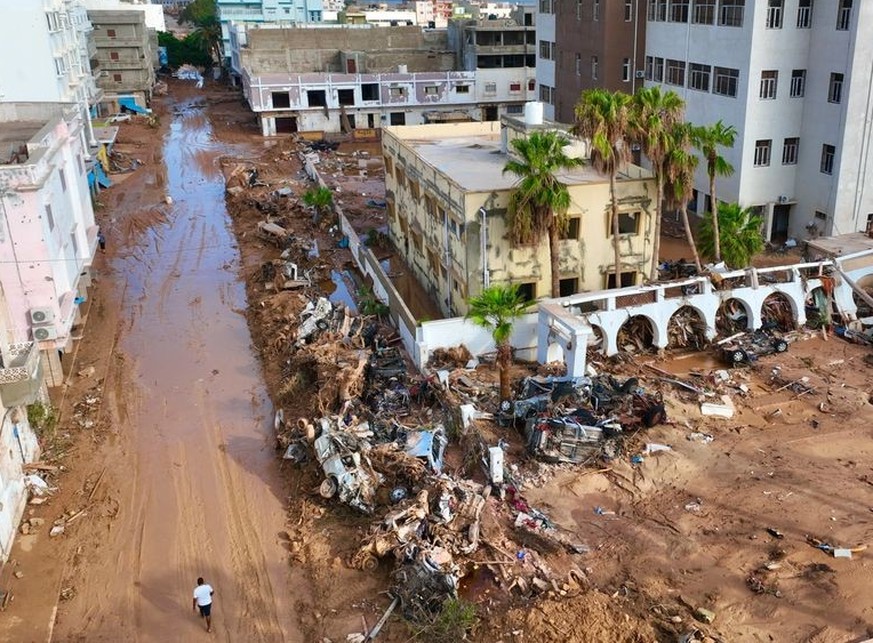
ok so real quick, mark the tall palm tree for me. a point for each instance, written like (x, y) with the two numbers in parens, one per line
(708, 139)
(603, 117)
(741, 230)
(496, 309)
(679, 168)
(538, 205)
(653, 114)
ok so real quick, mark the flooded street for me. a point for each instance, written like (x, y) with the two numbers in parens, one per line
(199, 490)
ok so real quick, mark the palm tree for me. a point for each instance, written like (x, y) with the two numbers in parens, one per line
(321, 199)
(708, 139)
(603, 118)
(538, 205)
(496, 308)
(679, 168)
(654, 113)
(741, 234)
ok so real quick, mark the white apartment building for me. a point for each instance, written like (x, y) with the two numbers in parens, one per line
(795, 77)
(545, 71)
(54, 37)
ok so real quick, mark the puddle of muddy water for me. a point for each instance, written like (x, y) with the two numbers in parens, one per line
(417, 300)
(477, 584)
(685, 363)
(340, 288)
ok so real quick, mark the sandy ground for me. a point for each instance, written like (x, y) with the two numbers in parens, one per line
(178, 476)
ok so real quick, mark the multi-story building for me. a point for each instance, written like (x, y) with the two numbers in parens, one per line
(152, 11)
(55, 36)
(588, 44)
(795, 78)
(282, 12)
(447, 200)
(434, 14)
(127, 56)
(365, 78)
(47, 230)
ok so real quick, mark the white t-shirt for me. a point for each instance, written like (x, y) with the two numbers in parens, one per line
(203, 594)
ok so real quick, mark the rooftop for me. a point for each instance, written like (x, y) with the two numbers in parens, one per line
(843, 244)
(14, 137)
(475, 161)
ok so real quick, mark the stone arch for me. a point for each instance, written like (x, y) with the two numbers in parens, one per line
(687, 328)
(733, 316)
(865, 283)
(554, 353)
(597, 342)
(780, 309)
(639, 332)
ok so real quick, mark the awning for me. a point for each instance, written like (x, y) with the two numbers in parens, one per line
(129, 102)
(98, 176)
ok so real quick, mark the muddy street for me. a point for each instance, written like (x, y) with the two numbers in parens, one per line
(190, 467)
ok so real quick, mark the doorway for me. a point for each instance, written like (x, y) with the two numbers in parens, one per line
(779, 229)
(286, 124)
(490, 113)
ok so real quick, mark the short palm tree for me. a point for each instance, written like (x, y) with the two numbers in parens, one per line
(496, 309)
(654, 113)
(539, 202)
(741, 235)
(321, 199)
(603, 117)
(679, 168)
(709, 139)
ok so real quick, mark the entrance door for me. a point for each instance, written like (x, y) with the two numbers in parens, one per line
(286, 124)
(490, 113)
(779, 230)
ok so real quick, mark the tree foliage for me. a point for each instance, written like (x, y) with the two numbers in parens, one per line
(740, 235)
(709, 139)
(186, 51)
(496, 310)
(199, 13)
(539, 202)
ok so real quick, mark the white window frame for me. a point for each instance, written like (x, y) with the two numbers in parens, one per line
(763, 148)
(835, 88)
(798, 83)
(703, 12)
(730, 80)
(697, 73)
(769, 84)
(804, 14)
(828, 154)
(626, 70)
(680, 11)
(844, 15)
(731, 13)
(775, 11)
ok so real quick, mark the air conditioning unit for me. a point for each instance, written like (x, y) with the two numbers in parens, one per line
(782, 199)
(641, 73)
(41, 315)
(44, 333)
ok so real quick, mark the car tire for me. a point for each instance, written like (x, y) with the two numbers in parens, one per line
(328, 488)
(505, 406)
(781, 346)
(738, 355)
(321, 324)
(369, 564)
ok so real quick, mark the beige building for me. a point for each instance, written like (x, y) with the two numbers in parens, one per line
(447, 198)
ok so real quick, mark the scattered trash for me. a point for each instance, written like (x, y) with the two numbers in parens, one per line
(725, 410)
(696, 436)
(655, 448)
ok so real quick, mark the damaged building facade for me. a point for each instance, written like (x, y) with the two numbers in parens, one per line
(370, 77)
(447, 197)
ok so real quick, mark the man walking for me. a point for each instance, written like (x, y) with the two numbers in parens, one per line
(203, 601)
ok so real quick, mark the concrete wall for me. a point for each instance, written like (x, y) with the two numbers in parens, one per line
(125, 51)
(18, 445)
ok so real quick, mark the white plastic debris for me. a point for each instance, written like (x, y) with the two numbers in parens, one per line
(724, 410)
(495, 464)
(654, 447)
(36, 485)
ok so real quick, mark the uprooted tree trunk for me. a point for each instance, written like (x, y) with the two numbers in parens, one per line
(690, 237)
(504, 363)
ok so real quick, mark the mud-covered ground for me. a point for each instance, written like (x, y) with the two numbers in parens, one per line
(170, 467)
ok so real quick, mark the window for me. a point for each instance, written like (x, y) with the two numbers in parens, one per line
(317, 97)
(60, 66)
(596, 10)
(594, 65)
(661, 10)
(628, 10)
(401, 175)
(658, 71)
(822, 216)
(515, 109)
(844, 15)
(698, 76)
(281, 99)
(835, 91)
(569, 286)
(789, 151)
(490, 88)
(804, 14)
(650, 66)
(774, 14)
(110, 33)
(527, 291)
(703, 12)
(63, 179)
(628, 279)
(370, 91)
(578, 64)
(462, 89)
(628, 223)
(827, 159)
(389, 166)
(675, 72)
(515, 88)
(546, 6)
(415, 189)
(731, 13)
(116, 78)
(546, 50)
(546, 94)
(578, 9)
(397, 118)
(769, 79)
(679, 11)
(53, 20)
(74, 243)
(626, 70)
(572, 230)
(726, 81)
(113, 55)
(798, 83)
(531, 84)
(49, 217)
(396, 92)
(431, 90)
(762, 152)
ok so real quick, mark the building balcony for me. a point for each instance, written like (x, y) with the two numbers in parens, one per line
(21, 378)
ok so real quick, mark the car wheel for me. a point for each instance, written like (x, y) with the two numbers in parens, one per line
(781, 346)
(322, 324)
(738, 355)
(505, 406)
(328, 488)
(369, 564)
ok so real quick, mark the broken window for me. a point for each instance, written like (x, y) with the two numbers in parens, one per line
(572, 229)
(569, 286)
(286, 125)
(628, 223)
(627, 279)
(431, 90)
(281, 99)
(370, 91)
(397, 92)
(346, 96)
(398, 118)
(317, 97)
(527, 291)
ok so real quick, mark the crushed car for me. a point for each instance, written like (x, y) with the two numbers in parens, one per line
(348, 473)
(747, 348)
